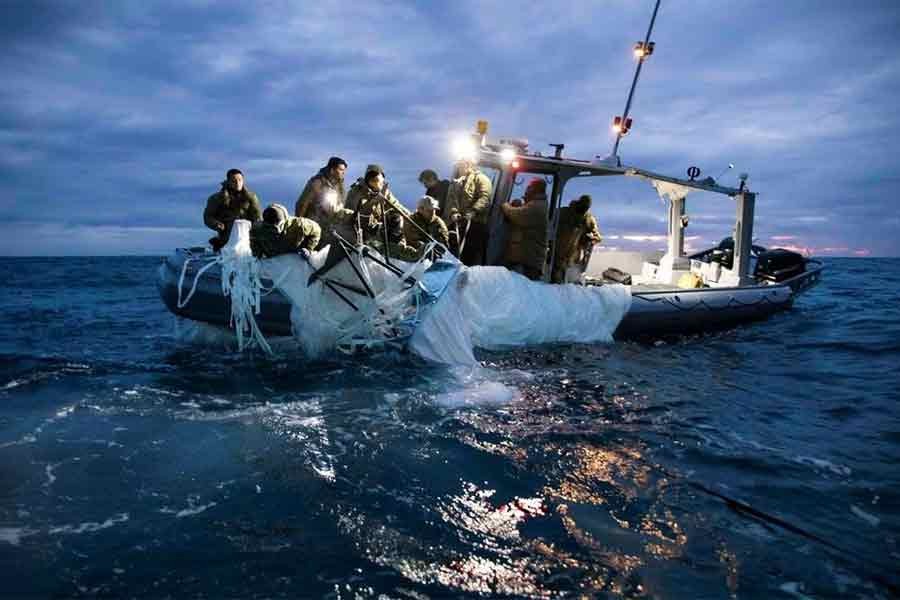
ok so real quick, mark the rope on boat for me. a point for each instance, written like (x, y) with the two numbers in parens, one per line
(242, 282)
(187, 260)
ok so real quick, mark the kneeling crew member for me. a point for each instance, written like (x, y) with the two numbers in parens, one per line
(233, 201)
(279, 233)
(396, 246)
(428, 222)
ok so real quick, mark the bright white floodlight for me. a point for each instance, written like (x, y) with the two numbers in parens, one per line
(464, 148)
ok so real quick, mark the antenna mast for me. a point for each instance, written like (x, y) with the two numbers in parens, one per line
(642, 50)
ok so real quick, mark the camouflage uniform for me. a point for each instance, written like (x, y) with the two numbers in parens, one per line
(398, 250)
(576, 233)
(367, 208)
(224, 207)
(291, 235)
(436, 228)
(441, 192)
(526, 244)
(470, 198)
(314, 203)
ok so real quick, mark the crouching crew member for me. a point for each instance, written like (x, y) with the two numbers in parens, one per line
(370, 199)
(438, 189)
(397, 247)
(279, 233)
(575, 238)
(322, 200)
(233, 201)
(526, 243)
(428, 223)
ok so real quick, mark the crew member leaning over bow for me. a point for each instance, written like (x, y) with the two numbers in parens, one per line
(279, 233)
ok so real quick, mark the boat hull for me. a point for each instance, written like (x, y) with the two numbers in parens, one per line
(652, 313)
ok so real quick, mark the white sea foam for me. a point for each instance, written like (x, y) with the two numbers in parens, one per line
(192, 508)
(90, 526)
(480, 386)
(823, 465)
(795, 589)
(868, 518)
(13, 535)
(485, 393)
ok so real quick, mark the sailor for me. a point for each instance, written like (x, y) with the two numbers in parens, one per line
(438, 189)
(469, 204)
(425, 221)
(575, 238)
(369, 200)
(233, 201)
(322, 200)
(279, 233)
(526, 244)
(396, 241)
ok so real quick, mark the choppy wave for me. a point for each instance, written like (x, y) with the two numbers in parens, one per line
(597, 470)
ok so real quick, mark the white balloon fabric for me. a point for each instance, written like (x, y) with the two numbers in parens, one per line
(495, 308)
(449, 311)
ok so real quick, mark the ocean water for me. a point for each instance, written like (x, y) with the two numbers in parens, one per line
(759, 462)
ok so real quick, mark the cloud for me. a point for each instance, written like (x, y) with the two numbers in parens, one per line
(129, 113)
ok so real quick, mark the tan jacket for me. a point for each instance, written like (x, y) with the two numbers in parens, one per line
(322, 200)
(526, 243)
(267, 240)
(365, 206)
(575, 232)
(470, 197)
(436, 229)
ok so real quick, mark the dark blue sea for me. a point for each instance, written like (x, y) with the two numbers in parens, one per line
(759, 462)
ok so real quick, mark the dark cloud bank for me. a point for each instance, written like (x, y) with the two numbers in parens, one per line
(117, 120)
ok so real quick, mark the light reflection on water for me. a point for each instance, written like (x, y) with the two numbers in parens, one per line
(553, 472)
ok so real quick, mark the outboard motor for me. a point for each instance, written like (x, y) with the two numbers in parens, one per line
(724, 253)
(779, 264)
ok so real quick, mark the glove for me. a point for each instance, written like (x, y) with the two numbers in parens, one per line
(304, 253)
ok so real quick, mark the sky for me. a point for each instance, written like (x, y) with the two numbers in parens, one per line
(119, 119)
